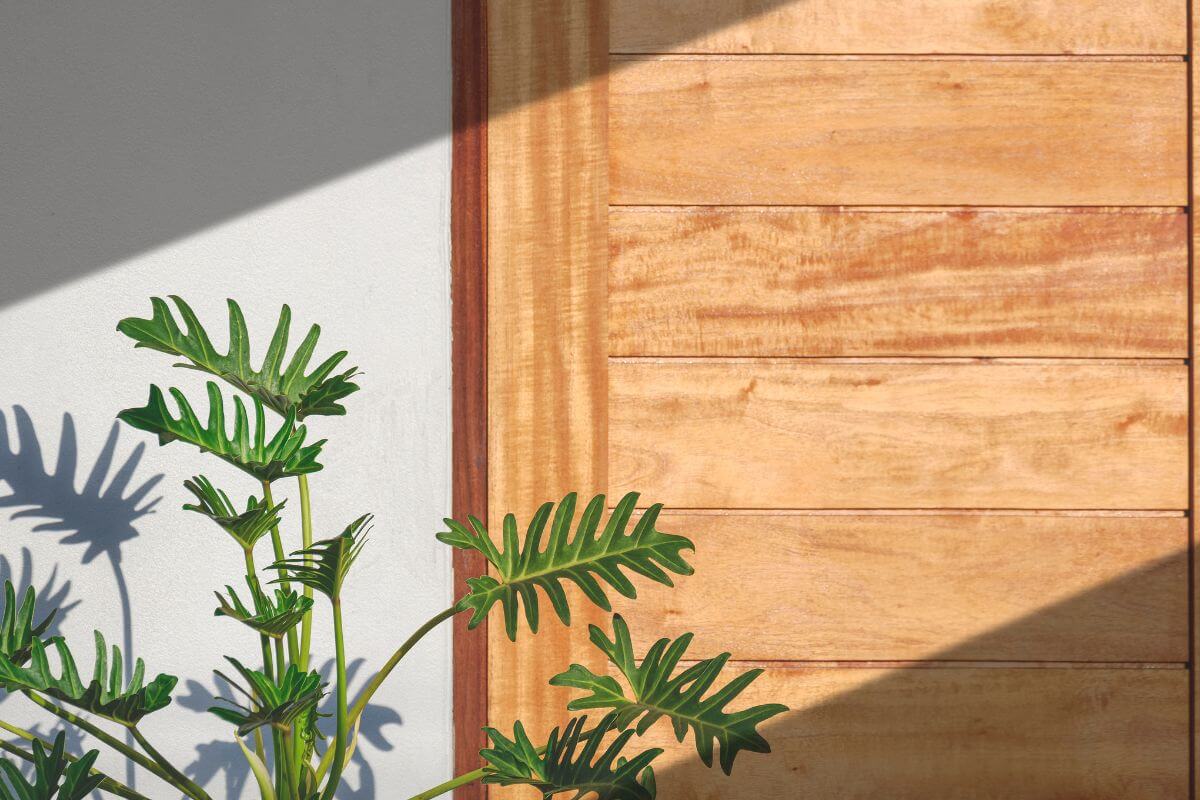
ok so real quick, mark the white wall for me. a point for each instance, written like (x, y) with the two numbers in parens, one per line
(272, 152)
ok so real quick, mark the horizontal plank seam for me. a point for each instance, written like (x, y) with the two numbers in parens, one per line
(906, 360)
(900, 209)
(881, 207)
(966, 57)
(950, 664)
(926, 512)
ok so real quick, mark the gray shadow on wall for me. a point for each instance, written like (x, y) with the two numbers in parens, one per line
(957, 732)
(131, 123)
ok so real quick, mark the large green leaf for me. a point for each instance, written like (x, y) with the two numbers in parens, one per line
(17, 628)
(283, 456)
(323, 566)
(566, 766)
(284, 390)
(681, 698)
(106, 695)
(55, 776)
(581, 559)
(246, 527)
(276, 703)
(269, 617)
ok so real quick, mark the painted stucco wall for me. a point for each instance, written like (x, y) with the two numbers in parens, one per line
(271, 151)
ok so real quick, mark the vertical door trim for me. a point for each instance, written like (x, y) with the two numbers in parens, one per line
(547, 328)
(468, 291)
(1194, 570)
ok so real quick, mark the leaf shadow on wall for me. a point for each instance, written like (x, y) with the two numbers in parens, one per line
(965, 730)
(130, 124)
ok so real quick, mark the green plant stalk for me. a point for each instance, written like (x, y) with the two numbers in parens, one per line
(265, 641)
(450, 785)
(306, 531)
(110, 740)
(343, 726)
(110, 785)
(161, 760)
(277, 545)
(373, 685)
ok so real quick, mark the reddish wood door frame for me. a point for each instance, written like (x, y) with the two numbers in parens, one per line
(468, 279)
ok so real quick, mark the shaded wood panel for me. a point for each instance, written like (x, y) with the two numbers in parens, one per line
(777, 587)
(711, 131)
(1194, 111)
(792, 434)
(818, 282)
(547, 388)
(914, 26)
(948, 734)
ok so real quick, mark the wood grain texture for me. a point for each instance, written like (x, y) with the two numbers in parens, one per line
(733, 131)
(1194, 112)
(845, 282)
(468, 287)
(914, 26)
(547, 388)
(778, 587)
(948, 734)
(787, 434)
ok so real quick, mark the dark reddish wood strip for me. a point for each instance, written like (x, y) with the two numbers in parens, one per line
(468, 279)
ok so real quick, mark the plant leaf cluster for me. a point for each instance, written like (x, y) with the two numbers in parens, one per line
(55, 777)
(275, 703)
(589, 558)
(572, 761)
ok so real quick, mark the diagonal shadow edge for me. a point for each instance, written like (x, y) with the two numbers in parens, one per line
(963, 728)
(131, 125)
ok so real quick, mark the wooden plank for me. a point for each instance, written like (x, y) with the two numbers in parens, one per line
(916, 26)
(1194, 113)
(547, 332)
(786, 434)
(946, 587)
(733, 131)
(947, 734)
(468, 287)
(843, 282)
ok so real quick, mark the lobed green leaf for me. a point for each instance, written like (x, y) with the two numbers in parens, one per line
(284, 455)
(324, 565)
(658, 693)
(281, 703)
(107, 695)
(246, 527)
(286, 391)
(270, 617)
(587, 559)
(17, 628)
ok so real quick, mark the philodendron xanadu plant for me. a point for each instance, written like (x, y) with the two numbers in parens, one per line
(276, 694)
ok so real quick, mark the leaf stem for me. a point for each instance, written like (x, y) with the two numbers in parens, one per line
(109, 785)
(373, 685)
(277, 546)
(264, 640)
(104, 736)
(161, 760)
(450, 785)
(343, 726)
(306, 531)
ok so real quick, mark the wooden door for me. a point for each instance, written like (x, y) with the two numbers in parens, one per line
(889, 303)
